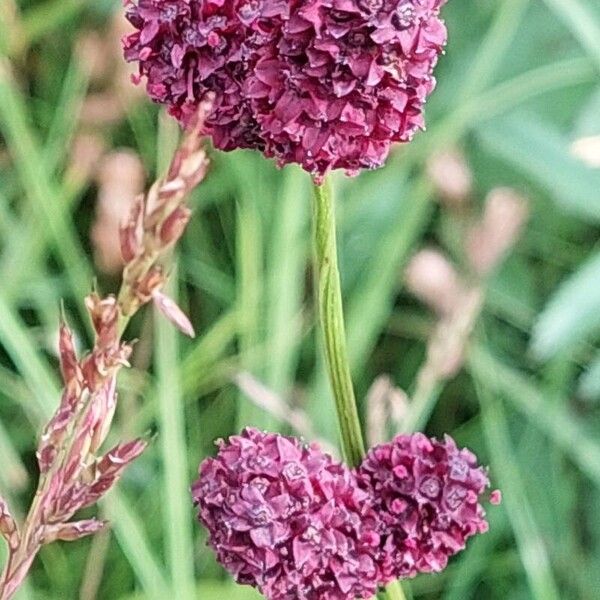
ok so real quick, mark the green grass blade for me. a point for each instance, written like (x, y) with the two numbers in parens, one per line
(130, 534)
(177, 505)
(492, 51)
(41, 189)
(582, 21)
(250, 281)
(505, 96)
(45, 17)
(539, 151)
(288, 252)
(39, 377)
(531, 545)
(550, 418)
(571, 315)
(27, 244)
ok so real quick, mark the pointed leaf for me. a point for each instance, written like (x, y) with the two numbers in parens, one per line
(68, 532)
(538, 150)
(173, 313)
(572, 314)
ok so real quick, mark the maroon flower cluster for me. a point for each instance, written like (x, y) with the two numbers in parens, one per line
(426, 495)
(287, 519)
(323, 83)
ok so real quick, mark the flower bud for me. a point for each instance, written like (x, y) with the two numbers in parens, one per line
(8, 526)
(283, 517)
(130, 233)
(426, 493)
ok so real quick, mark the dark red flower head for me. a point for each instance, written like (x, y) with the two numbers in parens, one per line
(286, 519)
(426, 494)
(324, 83)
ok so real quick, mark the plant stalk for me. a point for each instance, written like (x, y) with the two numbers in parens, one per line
(332, 324)
(331, 317)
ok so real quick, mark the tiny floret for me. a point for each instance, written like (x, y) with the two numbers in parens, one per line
(287, 519)
(326, 84)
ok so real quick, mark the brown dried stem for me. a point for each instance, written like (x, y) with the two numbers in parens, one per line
(432, 278)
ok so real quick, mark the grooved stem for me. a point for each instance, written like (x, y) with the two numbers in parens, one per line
(331, 316)
(332, 324)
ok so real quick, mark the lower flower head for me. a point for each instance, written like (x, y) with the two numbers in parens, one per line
(288, 520)
(426, 493)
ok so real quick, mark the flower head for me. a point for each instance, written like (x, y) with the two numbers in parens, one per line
(287, 519)
(324, 83)
(426, 493)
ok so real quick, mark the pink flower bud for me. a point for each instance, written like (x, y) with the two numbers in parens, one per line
(110, 467)
(69, 365)
(451, 176)
(433, 279)
(503, 219)
(153, 280)
(288, 520)
(104, 313)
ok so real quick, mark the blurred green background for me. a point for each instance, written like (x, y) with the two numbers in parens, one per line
(518, 98)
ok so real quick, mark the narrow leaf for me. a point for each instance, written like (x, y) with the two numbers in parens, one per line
(572, 313)
(539, 151)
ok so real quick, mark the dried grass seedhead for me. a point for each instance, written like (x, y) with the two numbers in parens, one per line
(157, 221)
(74, 472)
(99, 55)
(432, 278)
(385, 403)
(504, 216)
(451, 176)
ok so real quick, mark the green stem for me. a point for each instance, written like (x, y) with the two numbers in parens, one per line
(332, 323)
(331, 316)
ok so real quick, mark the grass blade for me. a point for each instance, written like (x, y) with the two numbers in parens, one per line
(132, 539)
(531, 545)
(288, 253)
(552, 419)
(171, 416)
(42, 191)
(39, 377)
(583, 23)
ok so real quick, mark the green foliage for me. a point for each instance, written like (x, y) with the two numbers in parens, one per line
(519, 83)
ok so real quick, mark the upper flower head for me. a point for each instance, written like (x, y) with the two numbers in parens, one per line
(426, 494)
(287, 519)
(323, 83)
